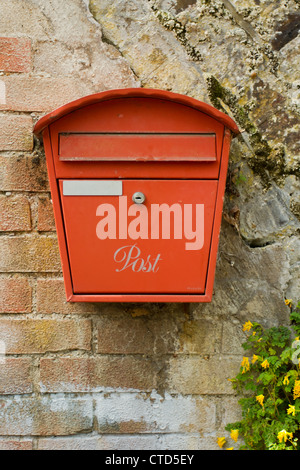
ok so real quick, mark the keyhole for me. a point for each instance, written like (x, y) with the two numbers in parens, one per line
(138, 198)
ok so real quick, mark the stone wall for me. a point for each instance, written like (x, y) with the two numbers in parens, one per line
(143, 376)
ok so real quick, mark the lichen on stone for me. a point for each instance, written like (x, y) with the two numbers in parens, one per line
(266, 160)
(171, 23)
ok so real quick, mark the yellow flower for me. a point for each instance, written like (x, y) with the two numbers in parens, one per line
(254, 359)
(248, 325)
(284, 435)
(265, 364)
(296, 389)
(288, 302)
(230, 448)
(260, 399)
(291, 410)
(245, 365)
(221, 441)
(286, 380)
(234, 434)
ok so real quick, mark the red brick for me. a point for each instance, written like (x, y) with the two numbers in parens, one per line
(51, 298)
(40, 336)
(15, 55)
(15, 376)
(14, 213)
(23, 173)
(71, 374)
(46, 221)
(45, 416)
(15, 296)
(16, 132)
(40, 94)
(9, 444)
(22, 254)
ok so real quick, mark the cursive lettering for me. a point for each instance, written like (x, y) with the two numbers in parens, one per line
(129, 257)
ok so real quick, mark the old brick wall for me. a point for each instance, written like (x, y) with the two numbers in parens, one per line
(139, 376)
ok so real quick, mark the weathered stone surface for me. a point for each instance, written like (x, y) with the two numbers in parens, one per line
(232, 337)
(16, 131)
(21, 172)
(46, 416)
(197, 375)
(145, 376)
(41, 94)
(75, 61)
(40, 336)
(124, 334)
(97, 374)
(151, 51)
(267, 216)
(163, 442)
(24, 254)
(88, 63)
(51, 298)
(155, 333)
(229, 41)
(129, 413)
(45, 222)
(248, 283)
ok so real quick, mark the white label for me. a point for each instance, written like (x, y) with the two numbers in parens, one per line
(92, 188)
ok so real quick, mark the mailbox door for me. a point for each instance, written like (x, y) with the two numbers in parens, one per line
(118, 246)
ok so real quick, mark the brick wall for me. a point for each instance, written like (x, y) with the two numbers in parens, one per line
(103, 376)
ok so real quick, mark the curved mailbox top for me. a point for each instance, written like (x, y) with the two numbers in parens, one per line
(66, 109)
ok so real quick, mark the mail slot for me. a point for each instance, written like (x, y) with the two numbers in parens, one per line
(137, 178)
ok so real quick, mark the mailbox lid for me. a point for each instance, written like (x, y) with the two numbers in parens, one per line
(97, 98)
(137, 137)
(116, 246)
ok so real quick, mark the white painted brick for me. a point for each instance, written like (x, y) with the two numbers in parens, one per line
(129, 412)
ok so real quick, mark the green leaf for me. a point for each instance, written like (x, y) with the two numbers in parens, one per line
(266, 377)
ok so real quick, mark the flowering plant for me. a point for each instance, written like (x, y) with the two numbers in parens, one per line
(269, 386)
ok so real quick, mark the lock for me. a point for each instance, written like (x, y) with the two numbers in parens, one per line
(138, 198)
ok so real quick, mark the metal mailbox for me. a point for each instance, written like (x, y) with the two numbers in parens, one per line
(137, 178)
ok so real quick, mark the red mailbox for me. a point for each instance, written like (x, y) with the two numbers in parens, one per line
(137, 178)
